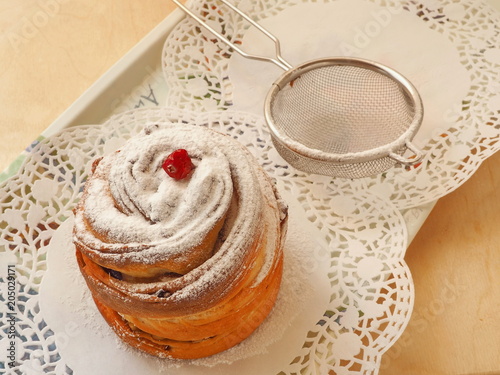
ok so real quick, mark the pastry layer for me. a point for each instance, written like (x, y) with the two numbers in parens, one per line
(190, 266)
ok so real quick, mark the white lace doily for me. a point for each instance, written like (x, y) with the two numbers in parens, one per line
(449, 50)
(360, 242)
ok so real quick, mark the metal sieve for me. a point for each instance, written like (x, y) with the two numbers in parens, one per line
(342, 116)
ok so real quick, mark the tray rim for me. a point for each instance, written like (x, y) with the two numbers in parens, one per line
(102, 89)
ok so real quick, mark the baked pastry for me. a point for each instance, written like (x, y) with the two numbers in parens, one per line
(184, 266)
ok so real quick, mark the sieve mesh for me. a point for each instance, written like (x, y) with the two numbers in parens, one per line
(353, 114)
(342, 109)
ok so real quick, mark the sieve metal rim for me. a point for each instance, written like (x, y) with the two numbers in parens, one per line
(392, 149)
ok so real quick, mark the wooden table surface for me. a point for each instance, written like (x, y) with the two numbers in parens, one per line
(51, 51)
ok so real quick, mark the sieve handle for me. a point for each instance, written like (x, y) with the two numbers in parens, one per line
(417, 157)
(278, 60)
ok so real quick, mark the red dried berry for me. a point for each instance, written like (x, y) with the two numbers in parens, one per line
(178, 164)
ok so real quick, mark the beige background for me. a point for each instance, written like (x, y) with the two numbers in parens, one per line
(51, 51)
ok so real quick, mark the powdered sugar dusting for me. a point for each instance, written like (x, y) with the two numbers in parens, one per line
(150, 218)
(133, 200)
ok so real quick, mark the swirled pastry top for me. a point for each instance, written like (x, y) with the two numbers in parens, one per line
(132, 215)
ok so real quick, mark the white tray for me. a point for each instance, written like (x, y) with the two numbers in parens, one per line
(137, 81)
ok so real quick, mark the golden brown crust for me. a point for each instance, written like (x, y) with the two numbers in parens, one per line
(202, 338)
(191, 302)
